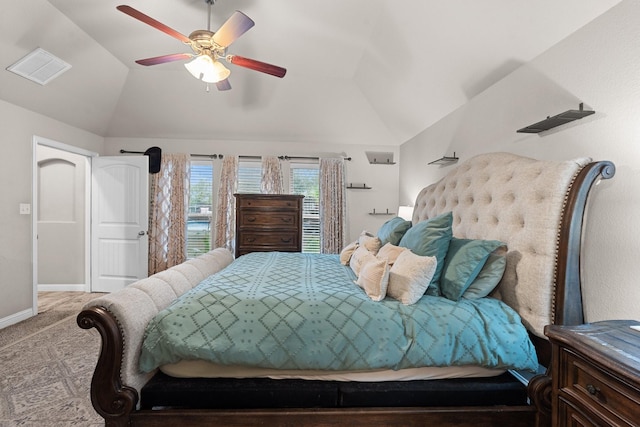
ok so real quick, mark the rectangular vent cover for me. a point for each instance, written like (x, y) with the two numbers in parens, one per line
(39, 66)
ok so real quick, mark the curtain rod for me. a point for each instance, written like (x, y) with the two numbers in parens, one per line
(220, 156)
(304, 157)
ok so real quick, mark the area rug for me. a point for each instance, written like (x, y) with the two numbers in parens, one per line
(46, 374)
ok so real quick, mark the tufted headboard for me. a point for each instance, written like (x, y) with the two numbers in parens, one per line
(530, 205)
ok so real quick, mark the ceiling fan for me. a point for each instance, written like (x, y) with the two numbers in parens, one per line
(208, 48)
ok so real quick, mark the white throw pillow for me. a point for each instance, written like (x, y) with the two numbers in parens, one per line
(374, 278)
(360, 256)
(369, 241)
(390, 252)
(347, 251)
(409, 277)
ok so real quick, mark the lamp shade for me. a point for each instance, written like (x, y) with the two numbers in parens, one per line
(204, 68)
(405, 212)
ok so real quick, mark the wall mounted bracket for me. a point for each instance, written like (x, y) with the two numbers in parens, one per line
(558, 120)
(445, 160)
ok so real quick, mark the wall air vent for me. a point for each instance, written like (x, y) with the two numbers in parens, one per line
(560, 119)
(39, 66)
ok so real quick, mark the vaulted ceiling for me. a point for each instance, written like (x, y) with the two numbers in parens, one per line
(359, 71)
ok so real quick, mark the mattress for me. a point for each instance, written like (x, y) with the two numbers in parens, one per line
(204, 369)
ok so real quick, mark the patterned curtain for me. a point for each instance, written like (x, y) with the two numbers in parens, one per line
(225, 212)
(169, 204)
(332, 205)
(272, 182)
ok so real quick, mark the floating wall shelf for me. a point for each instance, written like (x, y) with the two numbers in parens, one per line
(382, 213)
(445, 160)
(380, 158)
(352, 186)
(558, 120)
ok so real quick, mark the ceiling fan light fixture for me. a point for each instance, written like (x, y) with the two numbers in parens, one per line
(204, 68)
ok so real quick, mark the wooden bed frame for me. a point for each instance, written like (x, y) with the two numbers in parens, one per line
(119, 403)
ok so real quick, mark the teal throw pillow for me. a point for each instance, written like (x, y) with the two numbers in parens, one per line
(431, 238)
(393, 230)
(465, 258)
(488, 278)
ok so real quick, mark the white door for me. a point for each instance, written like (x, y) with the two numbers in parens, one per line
(120, 216)
(62, 243)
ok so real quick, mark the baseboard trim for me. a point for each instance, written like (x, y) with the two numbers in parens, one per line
(61, 288)
(17, 317)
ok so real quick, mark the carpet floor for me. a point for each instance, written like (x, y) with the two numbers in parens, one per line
(47, 362)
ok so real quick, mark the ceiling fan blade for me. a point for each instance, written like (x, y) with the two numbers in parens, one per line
(223, 85)
(252, 64)
(155, 24)
(164, 58)
(234, 27)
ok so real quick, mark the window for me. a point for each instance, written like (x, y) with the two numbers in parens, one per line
(200, 208)
(249, 177)
(304, 179)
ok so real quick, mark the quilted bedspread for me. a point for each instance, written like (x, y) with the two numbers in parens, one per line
(304, 311)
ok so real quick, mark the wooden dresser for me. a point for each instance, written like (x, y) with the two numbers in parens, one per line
(595, 371)
(268, 222)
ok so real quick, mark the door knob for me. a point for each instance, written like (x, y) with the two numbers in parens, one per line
(141, 233)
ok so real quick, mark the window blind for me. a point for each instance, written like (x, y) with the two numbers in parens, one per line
(200, 208)
(304, 179)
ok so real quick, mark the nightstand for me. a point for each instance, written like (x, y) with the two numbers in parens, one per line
(595, 371)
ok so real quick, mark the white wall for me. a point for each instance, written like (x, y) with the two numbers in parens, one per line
(600, 66)
(18, 126)
(383, 179)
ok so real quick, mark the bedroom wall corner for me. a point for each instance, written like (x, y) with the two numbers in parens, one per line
(384, 179)
(598, 65)
(18, 129)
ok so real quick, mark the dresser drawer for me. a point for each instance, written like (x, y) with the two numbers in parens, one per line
(602, 392)
(267, 202)
(286, 240)
(251, 218)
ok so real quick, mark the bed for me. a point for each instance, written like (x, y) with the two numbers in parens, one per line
(533, 208)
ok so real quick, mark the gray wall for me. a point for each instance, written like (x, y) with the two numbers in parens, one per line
(599, 65)
(16, 142)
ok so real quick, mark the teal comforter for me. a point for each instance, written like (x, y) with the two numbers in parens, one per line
(304, 311)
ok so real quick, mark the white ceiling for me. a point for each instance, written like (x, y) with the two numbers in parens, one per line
(359, 71)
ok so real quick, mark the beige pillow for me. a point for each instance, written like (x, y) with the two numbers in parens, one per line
(390, 252)
(374, 278)
(347, 251)
(360, 256)
(409, 277)
(369, 241)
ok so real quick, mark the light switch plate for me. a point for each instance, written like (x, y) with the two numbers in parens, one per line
(25, 208)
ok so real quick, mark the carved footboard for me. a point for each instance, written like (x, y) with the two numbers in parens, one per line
(111, 399)
(121, 318)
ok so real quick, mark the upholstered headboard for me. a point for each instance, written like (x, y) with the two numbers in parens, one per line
(519, 201)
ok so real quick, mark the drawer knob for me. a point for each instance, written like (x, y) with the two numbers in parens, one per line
(251, 218)
(285, 240)
(593, 390)
(286, 219)
(251, 239)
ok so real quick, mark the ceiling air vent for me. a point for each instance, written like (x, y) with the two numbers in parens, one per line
(39, 66)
